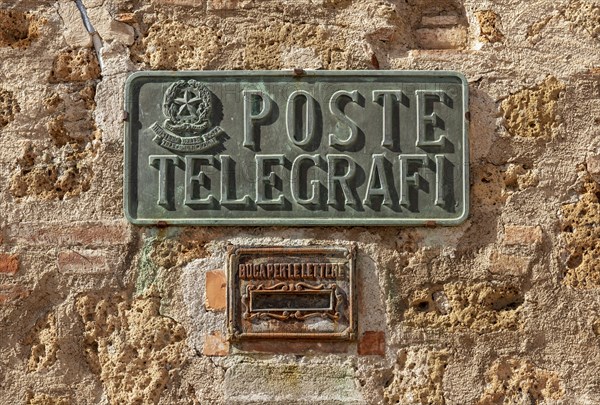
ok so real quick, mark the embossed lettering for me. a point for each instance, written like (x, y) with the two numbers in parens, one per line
(378, 175)
(295, 180)
(427, 123)
(262, 180)
(342, 180)
(334, 108)
(164, 175)
(293, 125)
(200, 179)
(227, 172)
(413, 178)
(291, 270)
(440, 162)
(250, 117)
(389, 99)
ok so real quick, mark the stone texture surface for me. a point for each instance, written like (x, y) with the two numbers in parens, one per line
(417, 378)
(503, 309)
(135, 351)
(8, 107)
(281, 383)
(532, 112)
(582, 265)
(489, 30)
(517, 381)
(19, 28)
(482, 307)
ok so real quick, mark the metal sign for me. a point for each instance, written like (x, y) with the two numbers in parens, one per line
(283, 292)
(296, 148)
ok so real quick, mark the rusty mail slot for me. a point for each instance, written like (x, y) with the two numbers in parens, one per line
(282, 292)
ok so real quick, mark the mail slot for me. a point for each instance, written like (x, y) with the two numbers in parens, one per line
(291, 301)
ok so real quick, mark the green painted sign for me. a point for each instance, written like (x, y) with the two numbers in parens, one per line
(296, 148)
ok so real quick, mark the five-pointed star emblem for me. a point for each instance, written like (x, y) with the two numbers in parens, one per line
(188, 102)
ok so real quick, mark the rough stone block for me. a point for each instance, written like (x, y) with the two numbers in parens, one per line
(291, 383)
(109, 28)
(593, 166)
(418, 377)
(128, 343)
(215, 344)
(372, 343)
(9, 264)
(40, 398)
(483, 307)
(221, 4)
(488, 26)
(216, 290)
(43, 340)
(18, 29)
(531, 112)
(128, 18)
(8, 107)
(442, 38)
(89, 234)
(11, 292)
(176, 46)
(75, 65)
(582, 236)
(82, 261)
(513, 265)
(522, 235)
(304, 58)
(585, 16)
(512, 380)
(74, 32)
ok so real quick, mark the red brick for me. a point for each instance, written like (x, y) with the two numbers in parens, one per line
(83, 261)
(501, 263)
(215, 344)
(372, 343)
(93, 234)
(10, 292)
(522, 235)
(9, 264)
(216, 288)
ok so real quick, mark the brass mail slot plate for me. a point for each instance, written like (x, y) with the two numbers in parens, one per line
(284, 148)
(291, 292)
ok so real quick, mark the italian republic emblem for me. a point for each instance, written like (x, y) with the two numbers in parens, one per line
(187, 107)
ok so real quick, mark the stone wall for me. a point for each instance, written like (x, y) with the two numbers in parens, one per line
(503, 309)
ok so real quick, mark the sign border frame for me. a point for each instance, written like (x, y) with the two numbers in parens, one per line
(388, 221)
